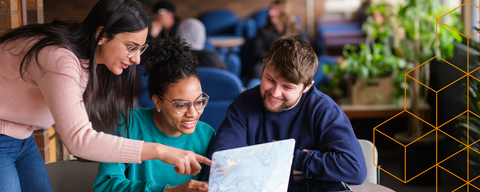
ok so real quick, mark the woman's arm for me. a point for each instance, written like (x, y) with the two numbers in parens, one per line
(185, 162)
(62, 83)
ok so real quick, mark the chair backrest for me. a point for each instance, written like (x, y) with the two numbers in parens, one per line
(260, 17)
(219, 84)
(234, 64)
(219, 22)
(223, 87)
(72, 176)
(371, 159)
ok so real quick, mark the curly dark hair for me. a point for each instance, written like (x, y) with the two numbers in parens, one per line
(167, 60)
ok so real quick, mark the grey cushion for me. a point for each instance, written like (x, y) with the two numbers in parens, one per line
(72, 176)
(368, 152)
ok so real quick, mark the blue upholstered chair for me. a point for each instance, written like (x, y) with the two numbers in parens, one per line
(226, 23)
(320, 77)
(144, 99)
(260, 17)
(234, 64)
(223, 87)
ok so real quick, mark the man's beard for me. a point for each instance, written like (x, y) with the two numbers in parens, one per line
(284, 106)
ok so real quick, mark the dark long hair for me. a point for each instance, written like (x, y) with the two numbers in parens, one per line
(113, 93)
(166, 61)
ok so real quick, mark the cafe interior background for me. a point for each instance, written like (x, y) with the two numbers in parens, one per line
(349, 33)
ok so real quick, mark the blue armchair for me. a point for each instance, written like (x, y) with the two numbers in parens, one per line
(144, 99)
(226, 23)
(223, 87)
(221, 22)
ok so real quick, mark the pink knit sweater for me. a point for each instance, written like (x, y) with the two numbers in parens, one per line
(54, 97)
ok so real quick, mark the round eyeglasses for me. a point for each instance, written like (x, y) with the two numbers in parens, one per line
(132, 49)
(181, 107)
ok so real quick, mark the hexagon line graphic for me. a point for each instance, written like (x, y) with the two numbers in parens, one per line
(421, 119)
(476, 178)
(452, 83)
(459, 187)
(466, 182)
(421, 64)
(389, 137)
(474, 76)
(452, 64)
(419, 173)
(468, 146)
(452, 118)
(455, 9)
(419, 82)
(452, 28)
(474, 71)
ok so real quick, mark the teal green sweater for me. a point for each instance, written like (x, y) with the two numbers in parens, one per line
(152, 175)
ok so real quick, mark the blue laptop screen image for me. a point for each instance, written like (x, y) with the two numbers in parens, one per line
(262, 167)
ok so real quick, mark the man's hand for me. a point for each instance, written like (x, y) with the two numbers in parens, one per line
(192, 185)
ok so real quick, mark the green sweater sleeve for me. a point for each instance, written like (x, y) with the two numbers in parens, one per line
(111, 177)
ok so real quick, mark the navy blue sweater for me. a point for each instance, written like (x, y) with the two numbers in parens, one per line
(317, 123)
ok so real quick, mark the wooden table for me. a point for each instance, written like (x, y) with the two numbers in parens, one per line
(226, 41)
(379, 111)
(300, 184)
(369, 187)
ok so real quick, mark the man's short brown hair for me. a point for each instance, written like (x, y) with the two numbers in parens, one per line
(293, 58)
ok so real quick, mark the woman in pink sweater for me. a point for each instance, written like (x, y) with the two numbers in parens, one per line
(58, 73)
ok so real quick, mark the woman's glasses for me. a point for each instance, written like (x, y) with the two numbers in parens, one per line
(181, 107)
(132, 49)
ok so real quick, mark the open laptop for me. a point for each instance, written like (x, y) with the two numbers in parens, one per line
(262, 167)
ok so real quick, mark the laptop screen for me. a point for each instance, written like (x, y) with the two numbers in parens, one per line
(262, 167)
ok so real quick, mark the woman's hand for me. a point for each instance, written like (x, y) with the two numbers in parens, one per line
(191, 185)
(185, 162)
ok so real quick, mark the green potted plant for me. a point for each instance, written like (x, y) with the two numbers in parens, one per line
(371, 66)
(418, 20)
(408, 38)
(422, 38)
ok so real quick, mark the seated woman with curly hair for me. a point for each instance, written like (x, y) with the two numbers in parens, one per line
(174, 87)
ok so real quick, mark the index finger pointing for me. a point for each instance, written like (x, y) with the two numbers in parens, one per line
(204, 160)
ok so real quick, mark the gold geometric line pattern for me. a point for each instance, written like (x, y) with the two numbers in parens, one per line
(452, 65)
(468, 146)
(452, 119)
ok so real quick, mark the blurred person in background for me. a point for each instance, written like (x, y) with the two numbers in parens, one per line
(280, 21)
(193, 31)
(164, 20)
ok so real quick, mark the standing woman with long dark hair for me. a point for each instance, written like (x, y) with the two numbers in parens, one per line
(57, 73)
